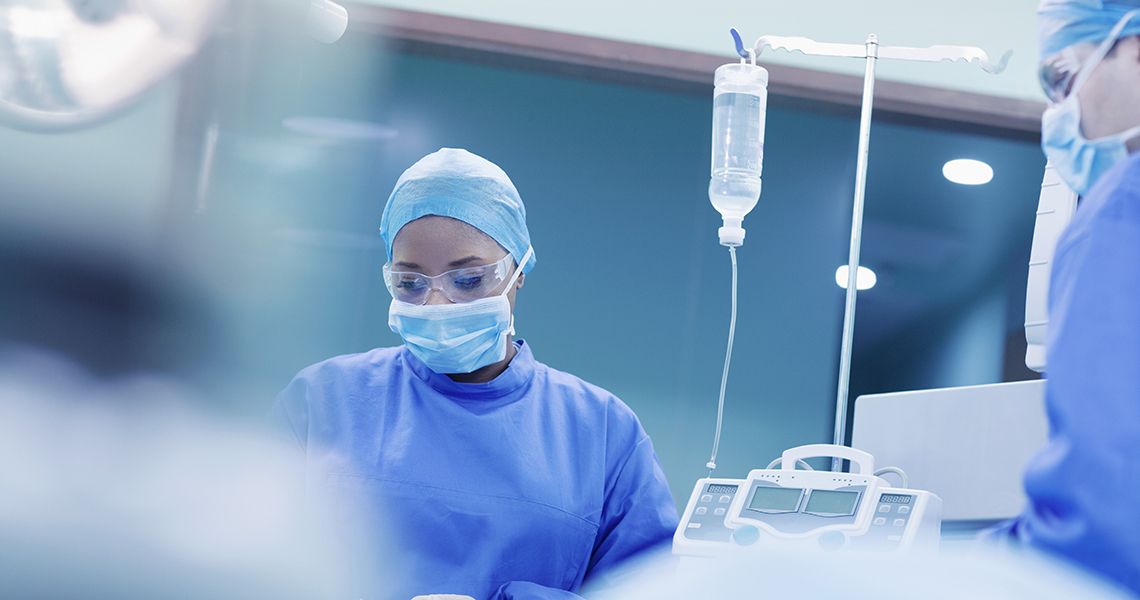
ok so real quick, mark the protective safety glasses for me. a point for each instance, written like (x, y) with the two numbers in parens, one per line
(1064, 73)
(458, 285)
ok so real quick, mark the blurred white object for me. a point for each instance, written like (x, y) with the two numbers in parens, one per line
(327, 21)
(979, 573)
(66, 63)
(969, 444)
(69, 63)
(1054, 211)
(123, 489)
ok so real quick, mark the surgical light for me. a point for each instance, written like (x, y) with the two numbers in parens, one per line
(967, 171)
(865, 278)
(66, 64)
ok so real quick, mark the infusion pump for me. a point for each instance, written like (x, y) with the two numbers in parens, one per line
(787, 506)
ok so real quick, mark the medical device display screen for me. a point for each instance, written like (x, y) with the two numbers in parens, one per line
(895, 499)
(775, 498)
(832, 502)
(716, 488)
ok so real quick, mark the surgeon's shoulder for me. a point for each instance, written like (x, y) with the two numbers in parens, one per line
(348, 369)
(1118, 195)
(1113, 202)
(594, 401)
(323, 390)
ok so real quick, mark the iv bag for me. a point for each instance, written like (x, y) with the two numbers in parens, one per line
(740, 99)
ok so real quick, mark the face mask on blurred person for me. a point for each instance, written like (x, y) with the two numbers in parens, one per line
(1081, 161)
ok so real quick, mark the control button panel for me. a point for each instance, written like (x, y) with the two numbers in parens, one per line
(707, 520)
(891, 518)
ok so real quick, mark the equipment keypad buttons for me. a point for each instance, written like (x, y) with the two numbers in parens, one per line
(880, 521)
(706, 498)
(884, 508)
(718, 512)
(900, 522)
(701, 510)
(725, 499)
(904, 510)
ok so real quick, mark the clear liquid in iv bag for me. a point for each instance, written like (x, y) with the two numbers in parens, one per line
(738, 153)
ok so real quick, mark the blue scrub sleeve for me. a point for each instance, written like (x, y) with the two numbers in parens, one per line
(289, 415)
(639, 517)
(1084, 485)
(525, 590)
(639, 514)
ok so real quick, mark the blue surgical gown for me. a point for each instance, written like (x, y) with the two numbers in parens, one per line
(522, 487)
(1084, 485)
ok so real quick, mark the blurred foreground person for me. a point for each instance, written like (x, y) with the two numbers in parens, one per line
(115, 480)
(1084, 485)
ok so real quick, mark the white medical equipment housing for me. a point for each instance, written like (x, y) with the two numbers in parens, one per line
(1054, 211)
(788, 507)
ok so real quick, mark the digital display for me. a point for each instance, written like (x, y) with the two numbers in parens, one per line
(717, 488)
(832, 502)
(775, 499)
(895, 499)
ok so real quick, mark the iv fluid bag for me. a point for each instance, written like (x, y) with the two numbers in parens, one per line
(740, 101)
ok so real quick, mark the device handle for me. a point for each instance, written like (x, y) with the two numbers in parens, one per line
(864, 460)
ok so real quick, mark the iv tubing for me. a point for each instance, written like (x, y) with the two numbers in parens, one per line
(727, 362)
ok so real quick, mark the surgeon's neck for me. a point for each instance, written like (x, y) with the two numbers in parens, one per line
(489, 372)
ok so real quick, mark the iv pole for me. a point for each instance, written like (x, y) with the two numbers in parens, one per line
(871, 51)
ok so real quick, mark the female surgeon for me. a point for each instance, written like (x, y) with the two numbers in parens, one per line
(496, 476)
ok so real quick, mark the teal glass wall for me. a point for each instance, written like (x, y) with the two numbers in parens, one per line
(631, 290)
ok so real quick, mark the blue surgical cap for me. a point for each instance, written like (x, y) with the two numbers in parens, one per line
(1063, 23)
(456, 183)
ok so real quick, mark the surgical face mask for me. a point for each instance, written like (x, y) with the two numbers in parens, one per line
(1080, 161)
(457, 338)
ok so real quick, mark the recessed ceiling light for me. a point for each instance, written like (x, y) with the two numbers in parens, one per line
(967, 171)
(865, 278)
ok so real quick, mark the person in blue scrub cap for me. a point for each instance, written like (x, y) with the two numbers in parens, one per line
(1084, 485)
(491, 474)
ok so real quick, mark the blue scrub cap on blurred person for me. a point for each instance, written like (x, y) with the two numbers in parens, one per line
(1063, 23)
(464, 186)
